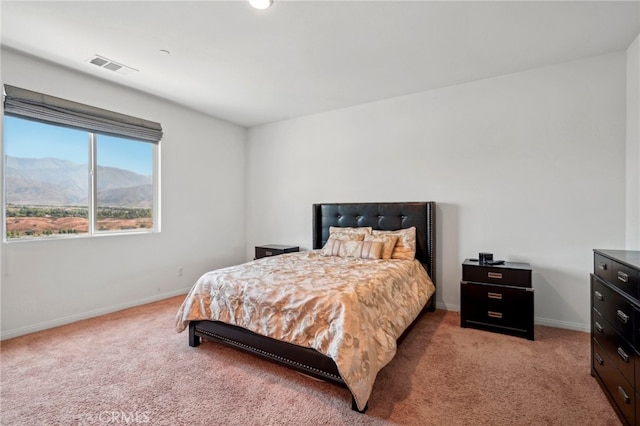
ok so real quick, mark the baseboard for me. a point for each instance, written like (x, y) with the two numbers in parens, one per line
(9, 334)
(447, 306)
(563, 324)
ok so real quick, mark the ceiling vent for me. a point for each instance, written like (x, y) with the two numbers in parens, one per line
(110, 65)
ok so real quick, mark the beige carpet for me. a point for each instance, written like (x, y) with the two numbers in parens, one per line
(131, 367)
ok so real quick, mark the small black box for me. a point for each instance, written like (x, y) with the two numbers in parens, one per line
(484, 258)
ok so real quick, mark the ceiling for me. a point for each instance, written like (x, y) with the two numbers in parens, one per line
(302, 57)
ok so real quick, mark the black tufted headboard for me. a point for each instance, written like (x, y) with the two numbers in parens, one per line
(383, 216)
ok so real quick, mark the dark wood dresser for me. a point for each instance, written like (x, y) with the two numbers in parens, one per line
(497, 298)
(274, 250)
(615, 331)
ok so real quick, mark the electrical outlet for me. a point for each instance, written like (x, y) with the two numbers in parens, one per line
(180, 271)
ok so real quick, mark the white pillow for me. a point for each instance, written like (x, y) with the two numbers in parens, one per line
(406, 246)
(332, 246)
(388, 241)
(361, 249)
(335, 230)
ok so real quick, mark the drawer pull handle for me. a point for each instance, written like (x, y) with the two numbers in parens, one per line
(623, 355)
(602, 266)
(598, 358)
(268, 253)
(598, 295)
(496, 275)
(599, 327)
(624, 318)
(491, 295)
(623, 277)
(624, 395)
(494, 314)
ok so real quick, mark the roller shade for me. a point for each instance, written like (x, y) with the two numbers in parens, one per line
(50, 109)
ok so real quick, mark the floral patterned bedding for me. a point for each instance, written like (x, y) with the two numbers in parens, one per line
(352, 310)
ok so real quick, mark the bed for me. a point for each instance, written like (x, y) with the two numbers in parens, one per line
(324, 360)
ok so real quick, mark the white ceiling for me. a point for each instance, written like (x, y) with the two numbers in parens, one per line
(302, 57)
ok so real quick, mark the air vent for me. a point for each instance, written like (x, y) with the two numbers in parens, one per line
(110, 65)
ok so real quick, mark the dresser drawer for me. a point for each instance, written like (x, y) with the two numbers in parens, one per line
(617, 387)
(517, 275)
(617, 274)
(614, 308)
(616, 348)
(507, 307)
(625, 278)
(602, 267)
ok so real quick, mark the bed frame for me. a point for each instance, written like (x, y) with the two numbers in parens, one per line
(382, 216)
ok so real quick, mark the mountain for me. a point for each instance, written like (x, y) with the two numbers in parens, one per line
(133, 196)
(113, 178)
(53, 181)
(22, 189)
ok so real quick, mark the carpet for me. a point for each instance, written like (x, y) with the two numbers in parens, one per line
(131, 367)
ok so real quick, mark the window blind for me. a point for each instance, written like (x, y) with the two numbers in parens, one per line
(50, 109)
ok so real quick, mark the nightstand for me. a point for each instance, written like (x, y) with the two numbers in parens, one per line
(497, 298)
(274, 250)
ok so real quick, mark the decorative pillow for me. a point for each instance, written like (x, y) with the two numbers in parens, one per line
(335, 230)
(361, 249)
(332, 246)
(406, 246)
(388, 241)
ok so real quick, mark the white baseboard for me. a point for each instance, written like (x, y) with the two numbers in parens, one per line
(9, 334)
(563, 324)
(447, 307)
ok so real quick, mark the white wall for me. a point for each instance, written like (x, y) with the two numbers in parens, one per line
(529, 166)
(633, 146)
(46, 283)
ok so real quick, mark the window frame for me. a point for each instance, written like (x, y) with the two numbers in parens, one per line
(92, 208)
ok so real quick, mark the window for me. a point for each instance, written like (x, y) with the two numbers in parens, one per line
(124, 183)
(62, 180)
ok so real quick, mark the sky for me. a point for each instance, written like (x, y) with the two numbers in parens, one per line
(31, 139)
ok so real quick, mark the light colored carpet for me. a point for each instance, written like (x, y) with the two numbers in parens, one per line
(131, 367)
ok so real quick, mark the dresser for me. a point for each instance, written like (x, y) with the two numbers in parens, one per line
(497, 298)
(615, 331)
(274, 250)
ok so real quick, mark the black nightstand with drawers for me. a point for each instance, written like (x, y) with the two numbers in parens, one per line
(615, 331)
(497, 298)
(274, 250)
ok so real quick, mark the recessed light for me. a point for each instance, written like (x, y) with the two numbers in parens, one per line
(261, 4)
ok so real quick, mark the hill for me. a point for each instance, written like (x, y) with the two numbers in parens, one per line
(52, 181)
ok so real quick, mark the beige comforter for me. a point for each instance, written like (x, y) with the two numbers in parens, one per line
(349, 309)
